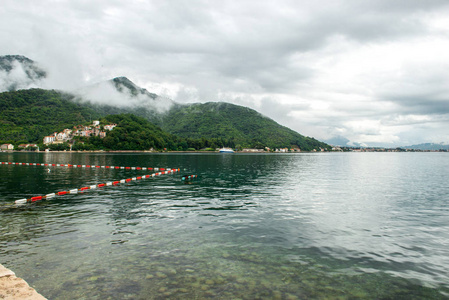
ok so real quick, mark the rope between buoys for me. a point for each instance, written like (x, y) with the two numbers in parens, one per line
(82, 189)
(84, 166)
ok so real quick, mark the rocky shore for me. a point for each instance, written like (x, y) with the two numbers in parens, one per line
(12, 287)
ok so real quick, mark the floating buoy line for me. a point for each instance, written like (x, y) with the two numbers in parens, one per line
(187, 177)
(84, 166)
(90, 187)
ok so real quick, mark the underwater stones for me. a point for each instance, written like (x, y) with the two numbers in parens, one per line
(277, 295)
(285, 268)
(161, 275)
(189, 278)
(219, 280)
(251, 284)
(93, 278)
(171, 271)
(211, 294)
(359, 294)
(166, 270)
(174, 283)
(209, 282)
(189, 271)
(241, 280)
(308, 284)
(149, 276)
(265, 283)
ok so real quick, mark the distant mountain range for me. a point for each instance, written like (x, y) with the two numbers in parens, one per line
(428, 146)
(28, 115)
(344, 142)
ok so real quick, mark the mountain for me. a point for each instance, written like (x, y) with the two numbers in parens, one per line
(124, 85)
(338, 141)
(123, 93)
(136, 133)
(19, 72)
(214, 120)
(28, 115)
(242, 125)
(428, 146)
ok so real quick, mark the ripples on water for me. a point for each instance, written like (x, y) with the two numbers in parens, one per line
(371, 225)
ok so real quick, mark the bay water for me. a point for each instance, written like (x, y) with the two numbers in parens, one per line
(251, 226)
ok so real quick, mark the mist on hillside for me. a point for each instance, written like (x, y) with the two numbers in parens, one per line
(106, 93)
(18, 72)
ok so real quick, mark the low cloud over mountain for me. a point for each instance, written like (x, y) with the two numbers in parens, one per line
(19, 72)
(122, 92)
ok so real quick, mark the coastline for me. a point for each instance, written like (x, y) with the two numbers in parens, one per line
(158, 152)
(12, 287)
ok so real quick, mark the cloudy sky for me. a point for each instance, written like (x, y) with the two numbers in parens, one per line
(374, 72)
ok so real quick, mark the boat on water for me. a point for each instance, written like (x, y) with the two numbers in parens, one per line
(225, 150)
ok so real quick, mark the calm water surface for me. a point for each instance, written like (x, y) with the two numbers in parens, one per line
(269, 226)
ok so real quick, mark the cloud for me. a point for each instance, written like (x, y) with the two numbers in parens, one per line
(15, 75)
(106, 93)
(312, 66)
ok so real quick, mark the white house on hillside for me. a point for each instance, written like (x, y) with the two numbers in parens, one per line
(7, 147)
(50, 138)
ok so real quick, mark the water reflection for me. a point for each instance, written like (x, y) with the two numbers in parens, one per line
(251, 226)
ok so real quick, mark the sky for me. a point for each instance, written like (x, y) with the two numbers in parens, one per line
(374, 73)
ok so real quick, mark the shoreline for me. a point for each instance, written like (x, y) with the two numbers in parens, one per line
(12, 287)
(162, 152)
(239, 152)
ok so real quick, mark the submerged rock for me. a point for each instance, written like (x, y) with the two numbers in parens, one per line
(161, 275)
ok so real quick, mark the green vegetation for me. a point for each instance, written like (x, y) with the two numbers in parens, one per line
(133, 133)
(26, 116)
(233, 124)
(136, 133)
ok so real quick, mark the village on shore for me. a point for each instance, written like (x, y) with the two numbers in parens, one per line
(97, 130)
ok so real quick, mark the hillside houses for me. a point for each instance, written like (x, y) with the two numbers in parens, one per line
(28, 146)
(81, 130)
(7, 147)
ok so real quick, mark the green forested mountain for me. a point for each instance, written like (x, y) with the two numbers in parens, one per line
(136, 133)
(241, 125)
(29, 115)
(131, 133)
